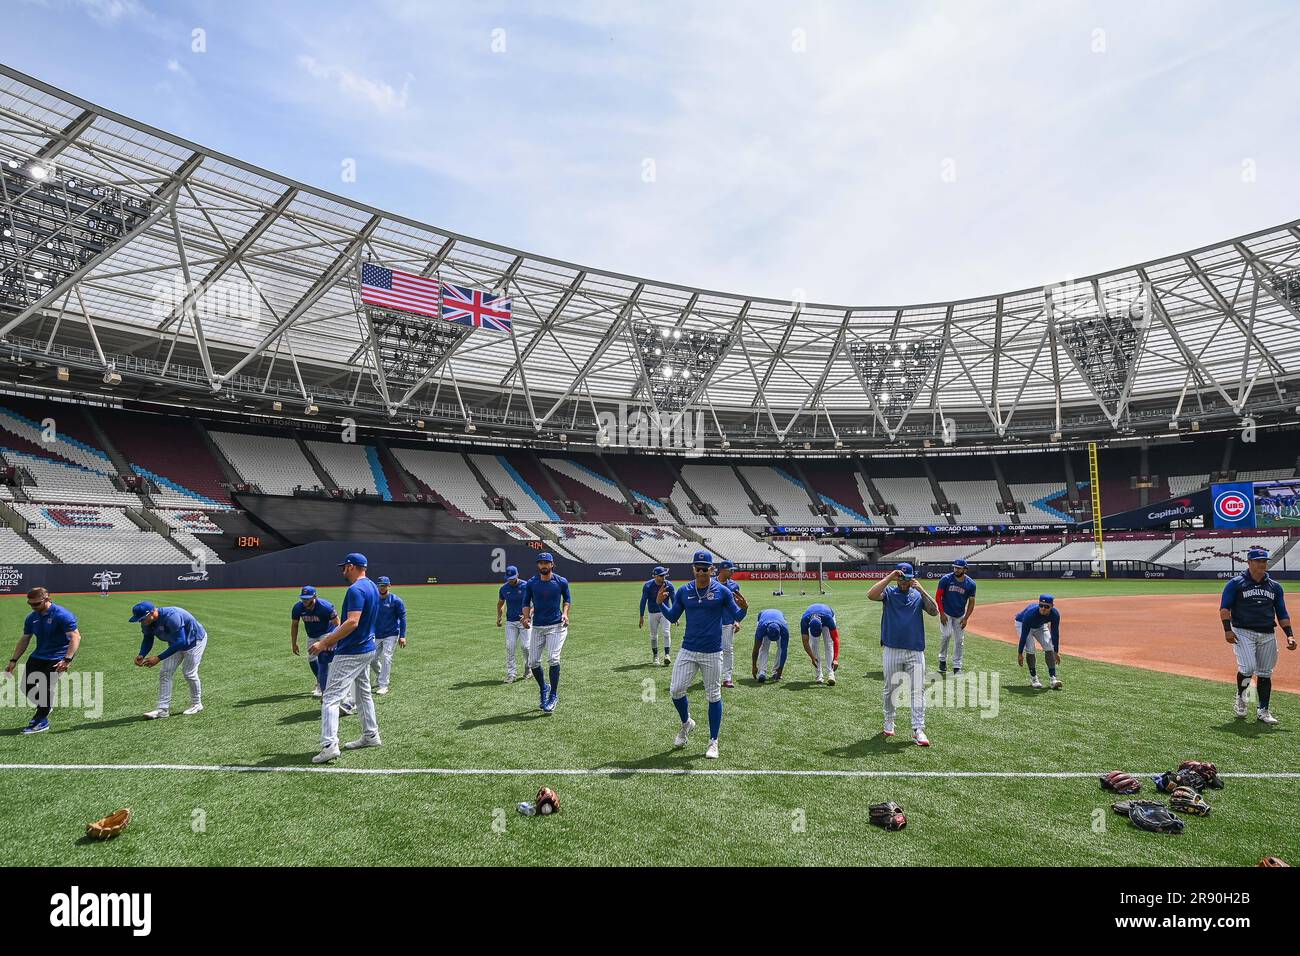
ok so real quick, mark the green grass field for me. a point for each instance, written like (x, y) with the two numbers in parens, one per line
(448, 709)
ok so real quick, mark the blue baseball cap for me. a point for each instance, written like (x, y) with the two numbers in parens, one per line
(815, 626)
(959, 563)
(383, 579)
(545, 556)
(659, 569)
(702, 557)
(1257, 554)
(772, 629)
(906, 569)
(512, 572)
(726, 564)
(356, 558)
(140, 611)
(307, 591)
(1046, 599)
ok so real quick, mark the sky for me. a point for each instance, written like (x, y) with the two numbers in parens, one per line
(863, 153)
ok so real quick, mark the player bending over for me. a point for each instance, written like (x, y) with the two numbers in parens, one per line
(1035, 621)
(546, 611)
(956, 599)
(702, 601)
(353, 647)
(902, 636)
(57, 640)
(510, 599)
(186, 641)
(730, 625)
(318, 618)
(390, 633)
(821, 640)
(1251, 602)
(771, 627)
(650, 600)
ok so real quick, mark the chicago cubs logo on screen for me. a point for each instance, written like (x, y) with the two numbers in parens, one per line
(1232, 506)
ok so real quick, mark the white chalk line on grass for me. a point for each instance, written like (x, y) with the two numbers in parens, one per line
(591, 771)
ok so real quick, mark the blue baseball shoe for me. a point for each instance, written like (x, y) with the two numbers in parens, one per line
(551, 701)
(37, 727)
(545, 697)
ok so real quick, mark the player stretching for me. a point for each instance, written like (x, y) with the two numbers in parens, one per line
(186, 641)
(730, 625)
(650, 599)
(546, 611)
(956, 599)
(1252, 601)
(702, 601)
(821, 640)
(318, 618)
(390, 632)
(902, 635)
(771, 627)
(353, 647)
(57, 640)
(1035, 621)
(511, 600)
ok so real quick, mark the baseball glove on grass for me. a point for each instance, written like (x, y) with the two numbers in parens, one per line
(1124, 807)
(109, 826)
(1157, 819)
(548, 801)
(1120, 782)
(1208, 771)
(888, 815)
(1187, 800)
(1272, 861)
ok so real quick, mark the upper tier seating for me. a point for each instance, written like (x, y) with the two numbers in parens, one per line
(600, 497)
(276, 465)
(977, 500)
(650, 480)
(593, 544)
(171, 453)
(64, 481)
(912, 497)
(782, 491)
(1040, 500)
(718, 486)
(528, 503)
(839, 484)
(449, 477)
(28, 434)
(353, 467)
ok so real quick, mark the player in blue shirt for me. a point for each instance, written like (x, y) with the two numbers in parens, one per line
(704, 602)
(1251, 607)
(390, 633)
(1035, 621)
(820, 636)
(57, 640)
(510, 599)
(955, 596)
(546, 611)
(318, 618)
(650, 599)
(353, 644)
(186, 642)
(729, 625)
(902, 637)
(771, 627)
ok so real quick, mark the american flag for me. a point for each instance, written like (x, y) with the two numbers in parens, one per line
(475, 308)
(399, 290)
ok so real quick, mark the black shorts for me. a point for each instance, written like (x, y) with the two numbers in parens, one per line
(39, 678)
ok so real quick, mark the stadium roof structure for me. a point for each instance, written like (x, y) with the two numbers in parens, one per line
(139, 265)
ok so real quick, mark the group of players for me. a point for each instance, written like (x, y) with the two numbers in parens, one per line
(345, 648)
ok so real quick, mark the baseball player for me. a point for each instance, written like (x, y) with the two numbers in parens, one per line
(510, 599)
(902, 635)
(353, 647)
(702, 600)
(186, 641)
(546, 611)
(1035, 621)
(771, 627)
(1251, 603)
(650, 599)
(390, 633)
(318, 618)
(729, 624)
(105, 582)
(821, 640)
(57, 640)
(955, 596)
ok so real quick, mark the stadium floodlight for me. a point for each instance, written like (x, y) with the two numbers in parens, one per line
(311, 408)
(470, 427)
(63, 374)
(895, 372)
(112, 377)
(277, 406)
(675, 361)
(39, 172)
(410, 346)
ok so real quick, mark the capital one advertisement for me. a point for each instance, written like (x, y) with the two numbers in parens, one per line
(1233, 504)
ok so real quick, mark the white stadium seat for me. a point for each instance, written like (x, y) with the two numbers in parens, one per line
(276, 465)
(913, 497)
(14, 549)
(450, 477)
(718, 486)
(785, 493)
(347, 463)
(977, 500)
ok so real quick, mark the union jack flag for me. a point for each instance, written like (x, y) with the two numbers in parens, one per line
(475, 308)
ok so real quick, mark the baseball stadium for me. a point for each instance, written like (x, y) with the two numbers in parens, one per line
(231, 401)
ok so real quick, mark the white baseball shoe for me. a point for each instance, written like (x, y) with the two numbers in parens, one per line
(347, 708)
(1239, 706)
(1264, 717)
(158, 714)
(820, 679)
(1056, 683)
(326, 755)
(192, 710)
(889, 728)
(382, 691)
(830, 678)
(685, 735)
(317, 692)
(919, 736)
(712, 751)
(667, 660)
(1036, 684)
(363, 742)
(510, 679)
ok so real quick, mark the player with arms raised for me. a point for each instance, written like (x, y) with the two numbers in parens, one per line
(650, 601)
(902, 635)
(955, 596)
(1251, 602)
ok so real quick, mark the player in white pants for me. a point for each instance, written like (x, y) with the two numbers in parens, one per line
(902, 637)
(1252, 607)
(658, 624)
(510, 602)
(729, 626)
(955, 596)
(390, 633)
(352, 645)
(1040, 623)
(546, 611)
(186, 641)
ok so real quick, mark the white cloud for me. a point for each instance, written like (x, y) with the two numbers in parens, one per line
(380, 94)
